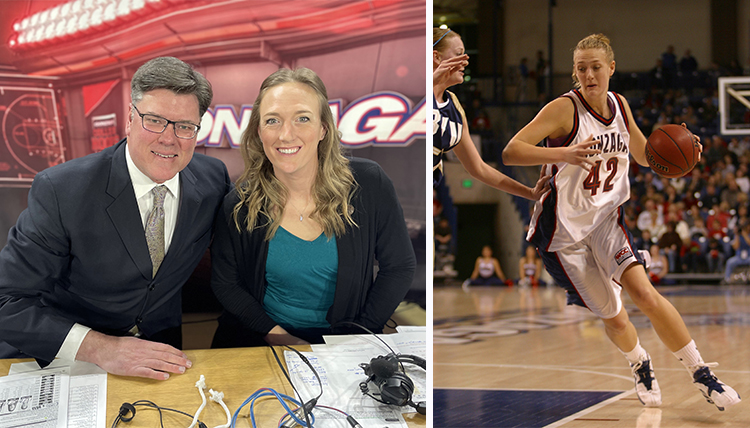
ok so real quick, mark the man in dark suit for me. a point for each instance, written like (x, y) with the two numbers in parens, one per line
(94, 267)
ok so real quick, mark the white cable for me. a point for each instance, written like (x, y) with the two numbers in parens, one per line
(201, 385)
(219, 398)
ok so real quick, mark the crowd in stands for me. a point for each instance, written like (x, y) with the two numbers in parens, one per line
(696, 220)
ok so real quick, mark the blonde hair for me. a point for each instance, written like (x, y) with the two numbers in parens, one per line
(440, 38)
(593, 41)
(265, 196)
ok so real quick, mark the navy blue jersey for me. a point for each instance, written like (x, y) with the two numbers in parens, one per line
(447, 128)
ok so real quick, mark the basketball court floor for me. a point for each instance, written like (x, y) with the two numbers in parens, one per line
(522, 358)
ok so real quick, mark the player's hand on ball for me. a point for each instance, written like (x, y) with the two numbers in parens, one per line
(580, 154)
(697, 141)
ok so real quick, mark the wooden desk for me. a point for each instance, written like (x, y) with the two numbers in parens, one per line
(236, 372)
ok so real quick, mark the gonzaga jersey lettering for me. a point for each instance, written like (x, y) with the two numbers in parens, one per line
(578, 200)
(447, 127)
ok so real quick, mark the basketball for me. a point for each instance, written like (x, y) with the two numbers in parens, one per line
(671, 151)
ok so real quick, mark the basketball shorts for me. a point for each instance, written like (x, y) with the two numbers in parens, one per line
(590, 269)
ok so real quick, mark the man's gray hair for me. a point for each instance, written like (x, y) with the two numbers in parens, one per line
(173, 74)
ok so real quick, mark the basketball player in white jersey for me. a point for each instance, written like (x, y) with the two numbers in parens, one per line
(578, 225)
(450, 130)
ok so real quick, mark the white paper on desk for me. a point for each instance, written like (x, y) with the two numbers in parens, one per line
(38, 399)
(87, 403)
(411, 328)
(340, 376)
(412, 342)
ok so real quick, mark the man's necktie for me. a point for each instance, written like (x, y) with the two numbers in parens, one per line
(155, 228)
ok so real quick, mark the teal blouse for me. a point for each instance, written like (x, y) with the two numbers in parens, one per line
(301, 277)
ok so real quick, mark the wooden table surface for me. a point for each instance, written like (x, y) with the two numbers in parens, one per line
(236, 372)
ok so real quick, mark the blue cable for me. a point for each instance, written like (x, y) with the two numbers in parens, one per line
(267, 392)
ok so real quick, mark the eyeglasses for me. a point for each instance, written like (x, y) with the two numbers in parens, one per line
(158, 124)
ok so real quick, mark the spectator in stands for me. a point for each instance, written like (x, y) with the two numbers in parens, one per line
(731, 193)
(714, 151)
(721, 213)
(487, 270)
(671, 242)
(741, 246)
(738, 146)
(443, 236)
(657, 75)
(659, 266)
(710, 196)
(651, 219)
(688, 63)
(529, 268)
(643, 242)
(715, 255)
(739, 218)
(688, 69)
(714, 72)
(743, 183)
(696, 183)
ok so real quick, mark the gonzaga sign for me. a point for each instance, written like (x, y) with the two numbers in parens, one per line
(383, 119)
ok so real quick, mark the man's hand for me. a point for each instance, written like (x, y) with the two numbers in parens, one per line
(130, 356)
(278, 336)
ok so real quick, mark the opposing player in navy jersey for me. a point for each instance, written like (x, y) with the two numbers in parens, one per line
(578, 225)
(450, 129)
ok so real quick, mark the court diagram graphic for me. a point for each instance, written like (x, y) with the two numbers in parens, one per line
(31, 137)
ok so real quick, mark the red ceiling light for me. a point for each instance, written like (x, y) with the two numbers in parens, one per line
(76, 18)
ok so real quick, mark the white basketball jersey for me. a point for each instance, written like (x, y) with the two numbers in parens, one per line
(578, 200)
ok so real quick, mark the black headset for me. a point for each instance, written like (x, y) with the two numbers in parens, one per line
(393, 385)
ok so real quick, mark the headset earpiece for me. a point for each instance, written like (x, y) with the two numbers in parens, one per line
(397, 389)
(384, 367)
(124, 410)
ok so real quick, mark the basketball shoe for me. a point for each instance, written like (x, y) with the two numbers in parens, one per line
(715, 391)
(646, 386)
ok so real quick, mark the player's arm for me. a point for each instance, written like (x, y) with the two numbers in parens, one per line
(637, 139)
(554, 120)
(471, 160)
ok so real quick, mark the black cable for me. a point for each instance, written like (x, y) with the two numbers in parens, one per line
(311, 403)
(376, 336)
(147, 403)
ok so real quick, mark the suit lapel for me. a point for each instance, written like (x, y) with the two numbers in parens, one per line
(124, 213)
(190, 200)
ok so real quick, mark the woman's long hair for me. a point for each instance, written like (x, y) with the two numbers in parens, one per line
(265, 196)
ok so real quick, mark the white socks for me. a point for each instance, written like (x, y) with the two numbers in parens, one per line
(690, 357)
(637, 354)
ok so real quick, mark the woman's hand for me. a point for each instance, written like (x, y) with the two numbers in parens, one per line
(697, 141)
(542, 185)
(443, 72)
(278, 336)
(580, 154)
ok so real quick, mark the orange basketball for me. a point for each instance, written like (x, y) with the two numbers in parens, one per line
(671, 151)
